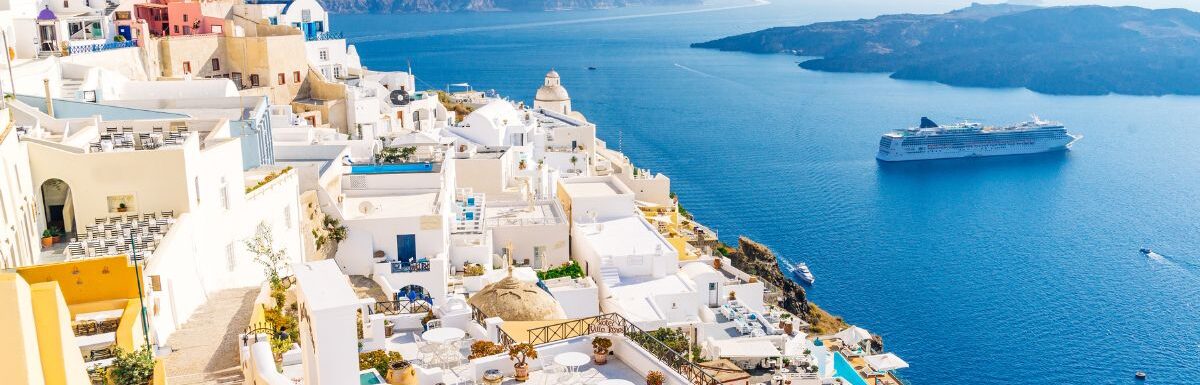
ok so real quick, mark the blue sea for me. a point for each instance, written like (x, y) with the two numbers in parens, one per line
(1012, 270)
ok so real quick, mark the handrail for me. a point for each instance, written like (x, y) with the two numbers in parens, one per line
(615, 323)
(401, 307)
(400, 267)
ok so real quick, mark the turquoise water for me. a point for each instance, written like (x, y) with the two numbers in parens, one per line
(369, 377)
(1015, 270)
(391, 168)
(843, 369)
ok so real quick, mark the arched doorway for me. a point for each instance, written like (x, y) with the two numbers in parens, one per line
(412, 293)
(57, 205)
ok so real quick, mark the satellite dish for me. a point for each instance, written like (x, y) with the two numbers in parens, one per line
(399, 97)
(366, 207)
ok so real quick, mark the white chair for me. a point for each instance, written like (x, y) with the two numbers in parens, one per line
(551, 371)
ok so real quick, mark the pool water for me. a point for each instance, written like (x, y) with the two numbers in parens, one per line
(391, 168)
(369, 377)
(842, 368)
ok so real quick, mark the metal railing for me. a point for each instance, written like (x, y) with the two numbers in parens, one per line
(330, 35)
(415, 267)
(401, 307)
(616, 324)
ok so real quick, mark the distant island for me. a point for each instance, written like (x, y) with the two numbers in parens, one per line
(426, 6)
(1076, 50)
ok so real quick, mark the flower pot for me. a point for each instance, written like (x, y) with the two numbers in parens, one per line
(47, 241)
(57, 239)
(401, 373)
(786, 326)
(600, 358)
(522, 372)
(121, 209)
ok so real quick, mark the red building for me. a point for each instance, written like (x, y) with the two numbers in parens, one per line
(177, 18)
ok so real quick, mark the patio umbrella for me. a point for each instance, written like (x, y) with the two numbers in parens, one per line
(853, 335)
(886, 362)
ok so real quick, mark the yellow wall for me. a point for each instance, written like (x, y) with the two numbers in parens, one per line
(130, 334)
(20, 359)
(84, 281)
(62, 362)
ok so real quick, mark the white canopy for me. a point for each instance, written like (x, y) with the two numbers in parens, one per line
(886, 362)
(853, 335)
(744, 347)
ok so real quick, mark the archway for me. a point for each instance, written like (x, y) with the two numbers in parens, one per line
(412, 293)
(58, 206)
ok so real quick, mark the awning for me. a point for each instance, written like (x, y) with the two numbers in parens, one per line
(886, 362)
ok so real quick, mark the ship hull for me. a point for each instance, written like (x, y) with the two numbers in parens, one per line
(910, 153)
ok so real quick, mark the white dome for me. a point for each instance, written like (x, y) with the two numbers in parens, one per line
(552, 90)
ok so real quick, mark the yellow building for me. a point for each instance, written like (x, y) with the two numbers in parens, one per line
(45, 312)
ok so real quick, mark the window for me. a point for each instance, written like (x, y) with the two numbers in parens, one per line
(230, 256)
(306, 15)
(323, 54)
(296, 76)
(282, 79)
(216, 64)
(185, 17)
(66, 4)
(187, 67)
(254, 80)
(177, 29)
(337, 71)
(274, 20)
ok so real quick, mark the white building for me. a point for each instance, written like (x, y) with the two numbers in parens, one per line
(327, 323)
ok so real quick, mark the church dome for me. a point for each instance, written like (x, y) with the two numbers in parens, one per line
(552, 90)
(514, 300)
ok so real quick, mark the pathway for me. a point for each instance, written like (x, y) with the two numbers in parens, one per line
(204, 350)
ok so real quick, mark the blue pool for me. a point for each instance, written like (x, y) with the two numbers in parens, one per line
(843, 369)
(391, 168)
(369, 377)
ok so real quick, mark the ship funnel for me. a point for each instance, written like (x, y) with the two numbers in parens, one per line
(926, 123)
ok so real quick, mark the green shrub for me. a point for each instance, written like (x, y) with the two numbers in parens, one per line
(570, 269)
(378, 359)
(132, 368)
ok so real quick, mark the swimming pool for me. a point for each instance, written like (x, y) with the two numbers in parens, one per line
(391, 168)
(843, 369)
(369, 377)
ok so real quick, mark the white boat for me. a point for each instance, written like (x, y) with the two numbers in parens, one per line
(968, 139)
(801, 271)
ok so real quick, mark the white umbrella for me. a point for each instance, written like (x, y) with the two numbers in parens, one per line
(886, 362)
(853, 335)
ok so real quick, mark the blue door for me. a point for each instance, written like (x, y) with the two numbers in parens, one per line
(406, 248)
(123, 30)
(310, 30)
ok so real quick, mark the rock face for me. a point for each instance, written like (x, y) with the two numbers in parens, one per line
(1077, 50)
(756, 259)
(416, 6)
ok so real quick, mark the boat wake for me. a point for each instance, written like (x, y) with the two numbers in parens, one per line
(455, 31)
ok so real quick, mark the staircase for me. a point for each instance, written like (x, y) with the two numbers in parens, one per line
(609, 274)
(70, 86)
(112, 6)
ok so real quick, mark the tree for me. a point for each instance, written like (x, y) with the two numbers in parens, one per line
(132, 368)
(262, 245)
(574, 159)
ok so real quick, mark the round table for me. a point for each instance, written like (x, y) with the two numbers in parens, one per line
(443, 335)
(614, 381)
(572, 360)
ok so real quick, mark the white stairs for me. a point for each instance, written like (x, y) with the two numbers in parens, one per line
(609, 273)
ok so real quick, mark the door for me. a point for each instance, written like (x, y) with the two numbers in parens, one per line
(124, 31)
(406, 248)
(712, 294)
(49, 38)
(539, 257)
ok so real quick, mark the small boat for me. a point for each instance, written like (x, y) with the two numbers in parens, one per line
(1140, 375)
(591, 68)
(1146, 251)
(801, 271)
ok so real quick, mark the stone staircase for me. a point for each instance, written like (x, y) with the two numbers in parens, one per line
(112, 6)
(609, 273)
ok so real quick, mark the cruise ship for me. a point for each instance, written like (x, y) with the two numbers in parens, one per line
(969, 139)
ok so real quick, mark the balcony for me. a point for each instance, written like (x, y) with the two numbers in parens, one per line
(78, 49)
(414, 267)
(320, 36)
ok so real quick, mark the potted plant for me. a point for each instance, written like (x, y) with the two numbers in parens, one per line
(379, 256)
(401, 372)
(519, 353)
(47, 238)
(121, 207)
(521, 165)
(387, 329)
(785, 323)
(480, 349)
(717, 263)
(57, 233)
(600, 346)
(132, 368)
(733, 296)
(655, 378)
(473, 277)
